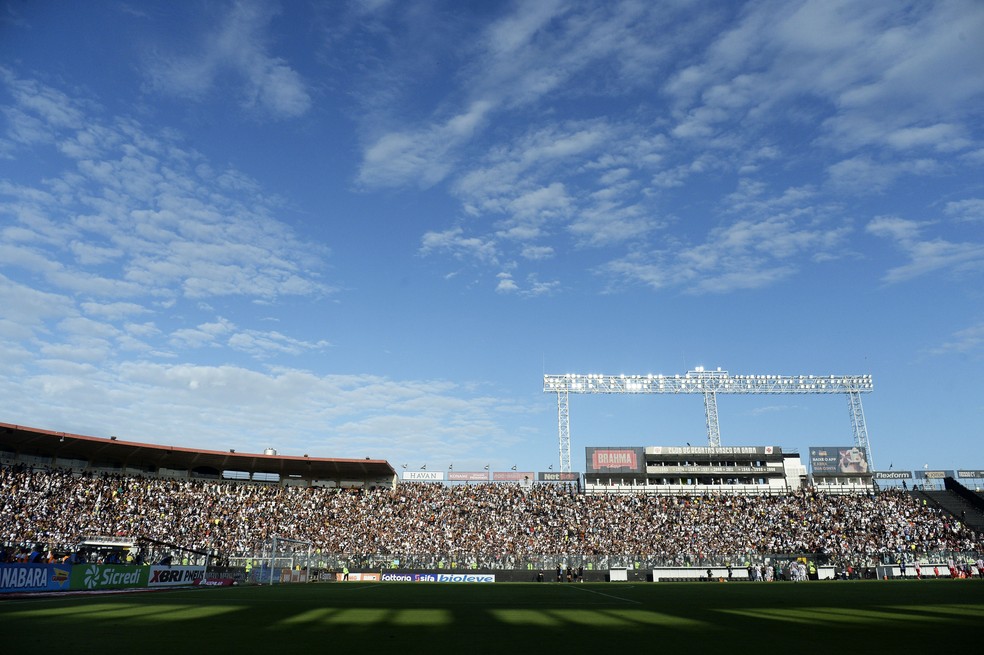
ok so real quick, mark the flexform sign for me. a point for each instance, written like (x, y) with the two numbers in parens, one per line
(615, 460)
(893, 475)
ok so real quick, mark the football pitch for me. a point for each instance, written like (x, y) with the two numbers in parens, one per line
(785, 617)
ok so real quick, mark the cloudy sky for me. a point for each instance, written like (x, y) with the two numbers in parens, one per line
(368, 228)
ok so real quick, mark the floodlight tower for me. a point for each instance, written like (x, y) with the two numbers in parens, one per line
(709, 384)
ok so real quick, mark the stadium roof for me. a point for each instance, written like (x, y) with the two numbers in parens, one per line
(113, 452)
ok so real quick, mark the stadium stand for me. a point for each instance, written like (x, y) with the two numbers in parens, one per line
(50, 506)
(485, 525)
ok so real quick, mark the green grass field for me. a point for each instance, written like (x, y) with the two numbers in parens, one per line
(812, 617)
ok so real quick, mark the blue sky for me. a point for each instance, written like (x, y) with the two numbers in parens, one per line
(356, 229)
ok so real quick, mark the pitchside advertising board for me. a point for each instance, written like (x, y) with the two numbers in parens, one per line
(615, 459)
(34, 577)
(838, 460)
(94, 577)
(468, 578)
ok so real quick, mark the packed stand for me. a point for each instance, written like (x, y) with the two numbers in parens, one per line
(487, 525)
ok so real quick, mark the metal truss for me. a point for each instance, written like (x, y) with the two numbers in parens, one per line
(709, 384)
(564, 431)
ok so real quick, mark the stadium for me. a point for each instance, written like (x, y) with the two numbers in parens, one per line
(91, 516)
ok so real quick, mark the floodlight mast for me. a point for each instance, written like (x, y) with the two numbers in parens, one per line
(710, 384)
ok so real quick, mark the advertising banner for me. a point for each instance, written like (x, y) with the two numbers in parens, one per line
(838, 460)
(893, 475)
(215, 582)
(933, 475)
(468, 476)
(673, 470)
(108, 576)
(615, 460)
(714, 450)
(175, 576)
(438, 577)
(512, 476)
(423, 476)
(970, 474)
(34, 577)
(550, 476)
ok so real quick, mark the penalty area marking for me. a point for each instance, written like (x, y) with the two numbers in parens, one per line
(599, 593)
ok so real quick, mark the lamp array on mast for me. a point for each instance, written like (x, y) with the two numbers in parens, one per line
(708, 383)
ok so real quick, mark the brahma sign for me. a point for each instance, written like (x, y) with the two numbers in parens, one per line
(615, 460)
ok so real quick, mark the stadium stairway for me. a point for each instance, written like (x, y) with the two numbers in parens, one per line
(957, 501)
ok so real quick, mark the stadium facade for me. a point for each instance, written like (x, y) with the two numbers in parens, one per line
(690, 470)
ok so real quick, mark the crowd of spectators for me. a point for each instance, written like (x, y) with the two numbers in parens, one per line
(498, 525)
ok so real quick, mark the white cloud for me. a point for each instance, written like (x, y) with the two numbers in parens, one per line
(462, 247)
(506, 284)
(220, 407)
(851, 61)
(140, 219)
(537, 252)
(968, 340)
(206, 334)
(237, 47)
(265, 344)
(925, 255)
(425, 156)
(748, 253)
(970, 210)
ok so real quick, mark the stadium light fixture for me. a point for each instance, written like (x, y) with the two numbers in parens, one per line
(709, 383)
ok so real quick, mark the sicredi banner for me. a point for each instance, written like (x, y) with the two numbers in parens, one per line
(98, 576)
(34, 577)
